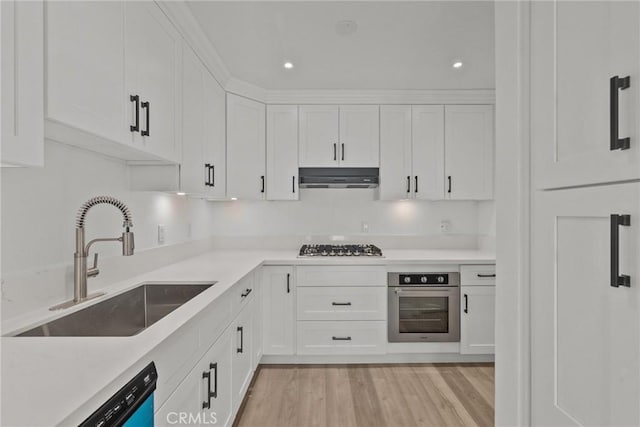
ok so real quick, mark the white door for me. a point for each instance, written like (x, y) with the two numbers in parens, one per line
(282, 152)
(194, 176)
(278, 314)
(585, 356)
(22, 83)
(477, 319)
(469, 142)
(215, 150)
(427, 127)
(245, 148)
(578, 47)
(396, 176)
(359, 136)
(241, 361)
(319, 136)
(85, 68)
(152, 60)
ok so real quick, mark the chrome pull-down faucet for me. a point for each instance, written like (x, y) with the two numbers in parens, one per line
(80, 270)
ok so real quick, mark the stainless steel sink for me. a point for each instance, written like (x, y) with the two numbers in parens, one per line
(123, 315)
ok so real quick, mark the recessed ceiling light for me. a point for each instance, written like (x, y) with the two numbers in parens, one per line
(180, 193)
(457, 64)
(288, 65)
(234, 198)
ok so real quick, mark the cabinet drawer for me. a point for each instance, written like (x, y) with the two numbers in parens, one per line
(480, 275)
(319, 338)
(242, 292)
(342, 303)
(341, 276)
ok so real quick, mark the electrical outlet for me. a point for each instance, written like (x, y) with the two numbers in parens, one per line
(365, 227)
(445, 226)
(161, 232)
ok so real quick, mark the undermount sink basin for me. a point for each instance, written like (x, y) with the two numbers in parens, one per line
(123, 315)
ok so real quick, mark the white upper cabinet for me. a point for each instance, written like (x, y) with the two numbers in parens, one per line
(319, 136)
(396, 173)
(359, 136)
(469, 143)
(215, 134)
(573, 123)
(112, 75)
(245, 148)
(22, 84)
(427, 126)
(282, 152)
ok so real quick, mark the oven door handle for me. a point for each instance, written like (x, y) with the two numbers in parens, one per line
(422, 292)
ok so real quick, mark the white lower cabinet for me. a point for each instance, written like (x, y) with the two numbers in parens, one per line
(341, 338)
(344, 303)
(242, 368)
(204, 396)
(477, 309)
(279, 318)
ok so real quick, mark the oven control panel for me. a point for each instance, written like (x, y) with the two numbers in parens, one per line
(424, 279)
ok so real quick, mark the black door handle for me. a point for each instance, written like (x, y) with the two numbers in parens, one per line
(615, 84)
(487, 275)
(618, 279)
(241, 330)
(146, 131)
(136, 99)
(288, 282)
(262, 179)
(340, 303)
(335, 152)
(341, 338)
(466, 303)
(293, 184)
(207, 175)
(342, 151)
(415, 190)
(449, 179)
(408, 184)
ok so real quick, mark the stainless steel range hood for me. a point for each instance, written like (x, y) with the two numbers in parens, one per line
(339, 177)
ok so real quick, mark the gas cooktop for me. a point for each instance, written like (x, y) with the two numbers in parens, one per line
(339, 250)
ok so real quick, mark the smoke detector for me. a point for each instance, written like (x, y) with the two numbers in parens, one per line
(346, 28)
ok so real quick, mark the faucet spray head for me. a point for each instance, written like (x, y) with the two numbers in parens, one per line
(127, 242)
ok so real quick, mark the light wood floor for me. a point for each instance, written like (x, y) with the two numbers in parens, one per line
(370, 396)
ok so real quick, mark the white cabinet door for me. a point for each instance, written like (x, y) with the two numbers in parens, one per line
(215, 151)
(256, 322)
(319, 136)
(427, 124)
(22, 83)
(245, 148)
(242, 369)
(359, 136)
(278, 313)
(396, 175)
(282, 152)
(578, 47)
(152, 61)
(477, 319)
(469, 152)
(85, 67)
(586, 334)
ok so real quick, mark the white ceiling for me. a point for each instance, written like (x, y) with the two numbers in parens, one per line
(398, 45)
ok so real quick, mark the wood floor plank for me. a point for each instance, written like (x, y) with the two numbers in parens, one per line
(407, 395)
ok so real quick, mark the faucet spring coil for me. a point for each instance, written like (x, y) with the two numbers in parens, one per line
(82, 213)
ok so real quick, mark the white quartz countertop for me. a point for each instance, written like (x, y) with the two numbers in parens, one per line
(58, 380)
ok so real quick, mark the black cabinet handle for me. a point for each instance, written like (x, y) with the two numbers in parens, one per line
(415, 190)
(466, 303)
(245, 293)
(340, 303)
(207, 403)
(288, 282)
(146, 131)
(487, 275)
(212, 176)
(335, 152)
(342, 151)
(615, 85)
(262, 179)
(241, 348)
(214, 393)
(207, 175)
(341, 338)
(449, 179)
(408, 184)
(293, 184)
(618, 279)
(136, 99)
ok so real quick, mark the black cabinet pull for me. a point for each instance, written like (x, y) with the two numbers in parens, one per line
(212, 176)
(241, 348)
(487, 275)
(245, 293)
(207, 375)
(288, 282)
(408, 184)
(615, 85)
(341, 338)
(335, 152)
(618, 279)
(146, 131)
(466, 303)
(207, 175)
(214, 393)
(293, 184)
(136, 99)
(449, 179)
(342, 151)
(262, 180)
(416, 189)
(340, 303)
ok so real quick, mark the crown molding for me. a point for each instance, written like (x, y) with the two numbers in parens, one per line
(180, 15)
(247, 90)
(320, 96)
